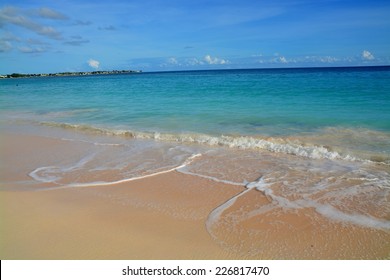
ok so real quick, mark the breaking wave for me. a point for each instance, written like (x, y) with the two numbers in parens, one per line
(277, 145)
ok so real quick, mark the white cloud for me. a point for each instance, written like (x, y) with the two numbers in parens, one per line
(194, 61)
(316, 59)
(31, 50)
(173, 60)
(78, 41)
(169, 62)
(279, 59)
(303, 60)
(5, 46)
(8, 36)
(328, 59)
(93, 63)
(215, 60)
(34, 41)
(282, 59)
(14, 16)
(51, 14)
(208, 59)
(366, 55)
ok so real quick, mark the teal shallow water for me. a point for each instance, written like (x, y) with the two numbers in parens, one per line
(235, 101)
(342, 108)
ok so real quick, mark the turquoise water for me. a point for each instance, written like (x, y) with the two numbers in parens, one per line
(247, 102)
(350, 104)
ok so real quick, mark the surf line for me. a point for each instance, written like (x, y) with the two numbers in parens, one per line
(96, 184)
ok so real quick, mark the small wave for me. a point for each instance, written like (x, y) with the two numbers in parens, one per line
(94, 184)
(79, 127)
(46, 176)
(276, 145)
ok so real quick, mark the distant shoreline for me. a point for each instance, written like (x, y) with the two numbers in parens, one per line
(67, 74)
(113, 72)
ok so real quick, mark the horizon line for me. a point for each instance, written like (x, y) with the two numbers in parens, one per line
(268, 68)
(200, 70)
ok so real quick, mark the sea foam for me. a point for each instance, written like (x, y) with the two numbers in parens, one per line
(272, 144)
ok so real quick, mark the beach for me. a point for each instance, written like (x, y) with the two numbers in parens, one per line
(160, 217)
(224, 164)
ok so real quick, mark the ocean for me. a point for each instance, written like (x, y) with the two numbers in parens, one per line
(307, 138)
(344, 109)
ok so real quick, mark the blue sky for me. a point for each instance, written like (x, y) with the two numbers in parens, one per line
(156, 35)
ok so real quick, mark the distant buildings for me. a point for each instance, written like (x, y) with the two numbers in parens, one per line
(62, 74)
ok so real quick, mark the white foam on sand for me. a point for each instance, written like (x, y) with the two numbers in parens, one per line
(279, 202)
(54, 179)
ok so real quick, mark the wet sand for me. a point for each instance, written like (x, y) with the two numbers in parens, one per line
(167, 216)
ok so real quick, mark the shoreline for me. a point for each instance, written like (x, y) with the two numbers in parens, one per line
(69, 74)
(354, 67)
(170, 215)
